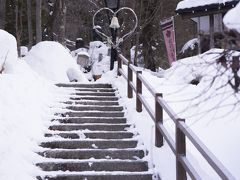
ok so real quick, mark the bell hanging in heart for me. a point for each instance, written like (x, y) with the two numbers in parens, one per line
(114, 23)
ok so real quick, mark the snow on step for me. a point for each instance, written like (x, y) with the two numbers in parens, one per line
(91, 144)
(92, 139)
(89, 175)
(81, 120)
(95, 108)
(132, 154)
(92, 127)
(94, 135)
(92, 102)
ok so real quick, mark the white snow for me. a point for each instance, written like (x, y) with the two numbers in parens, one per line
(231, 19)
(210, 109)
(25, 112)
(52, 61)
(8, 53)
(29, 101)
(191, 44)
(195, 3)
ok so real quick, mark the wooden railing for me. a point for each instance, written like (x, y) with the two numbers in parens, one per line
(183, 165)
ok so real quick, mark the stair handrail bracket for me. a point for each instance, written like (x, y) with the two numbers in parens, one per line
(182, 131)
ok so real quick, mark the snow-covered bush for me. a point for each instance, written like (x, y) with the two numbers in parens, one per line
(52, 61)
(8, 52)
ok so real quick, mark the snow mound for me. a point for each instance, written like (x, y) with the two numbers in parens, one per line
(231, 19)
(8, 51)
(24, 112)
(52, 61)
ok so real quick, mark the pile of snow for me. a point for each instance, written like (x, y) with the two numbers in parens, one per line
(25, 112)
(52, 61)
(196, 3)
(232, 20)
(211, 109)
(99, 58)
(191, 44)
(8, 53)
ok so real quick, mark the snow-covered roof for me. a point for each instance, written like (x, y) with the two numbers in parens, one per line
(232, 20)
(187, 6)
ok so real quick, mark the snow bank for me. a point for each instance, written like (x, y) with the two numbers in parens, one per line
(25, 112)
(8, 53)
(52, 61)
(99, 58)
(211, 110)
(231, 19)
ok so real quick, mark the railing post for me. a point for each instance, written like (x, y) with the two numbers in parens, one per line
(159, 119)
(180, 151)
(130, 77)
(119, 65)
(139, 91)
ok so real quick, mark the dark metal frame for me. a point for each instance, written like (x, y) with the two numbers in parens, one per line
(114, 36)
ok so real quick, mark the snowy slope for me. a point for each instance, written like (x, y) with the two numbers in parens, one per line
(25, 110)
(211, 110)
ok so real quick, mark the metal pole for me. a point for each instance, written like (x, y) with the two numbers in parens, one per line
(113, 50)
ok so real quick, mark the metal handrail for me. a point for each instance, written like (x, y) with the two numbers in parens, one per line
(183, 166)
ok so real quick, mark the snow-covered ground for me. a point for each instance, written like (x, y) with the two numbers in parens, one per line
(29, 100)
(27, 104)
(211, 110)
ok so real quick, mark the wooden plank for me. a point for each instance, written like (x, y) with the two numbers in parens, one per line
(122, 73)
(189, 168)
(167, 137)
(147, 85)
(147, 107)
(167, 109)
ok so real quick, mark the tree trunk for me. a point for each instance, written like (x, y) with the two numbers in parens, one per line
(63, 11)
(38, 21)
(29, 17)
(16, 26)
(2, 13)
(148, 33)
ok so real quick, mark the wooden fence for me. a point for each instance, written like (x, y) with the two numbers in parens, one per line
(183, 165)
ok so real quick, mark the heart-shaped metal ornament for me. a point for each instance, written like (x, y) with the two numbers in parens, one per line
(114, 15)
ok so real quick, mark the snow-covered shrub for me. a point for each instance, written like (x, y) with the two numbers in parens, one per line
(52, 61)
(8, 51)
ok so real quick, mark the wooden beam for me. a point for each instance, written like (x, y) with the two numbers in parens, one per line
(211, 30)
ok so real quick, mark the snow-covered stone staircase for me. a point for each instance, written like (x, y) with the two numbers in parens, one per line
(93, 141)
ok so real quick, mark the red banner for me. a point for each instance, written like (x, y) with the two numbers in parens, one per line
(167, 26)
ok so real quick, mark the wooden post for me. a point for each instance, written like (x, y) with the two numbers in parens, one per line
(139, 92)
(211, 29)
(130, 77)
(159, 119)
(119, 65)
(235, 68)
(180, 151)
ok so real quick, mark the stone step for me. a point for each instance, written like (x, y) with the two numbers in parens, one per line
(86, 144)
(92, 114)
(104, 165)
(131, 154)
(91, 127)
(94, 103)
(74, 85)
(95, 98)
(94, 89)
(92, 120)
(95, 108)
(94, 94)
(102, 176)
(95, 135)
